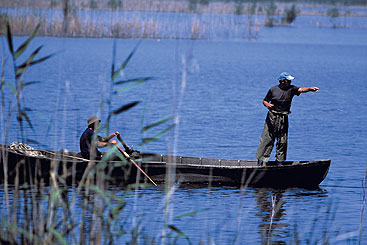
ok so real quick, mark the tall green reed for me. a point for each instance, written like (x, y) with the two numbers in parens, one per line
(19, 68)
(364, 188)
(15, 105)
(55, 222)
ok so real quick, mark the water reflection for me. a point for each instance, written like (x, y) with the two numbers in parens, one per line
(272, 222)
(274, 225)
(318, 192)
(270, 205)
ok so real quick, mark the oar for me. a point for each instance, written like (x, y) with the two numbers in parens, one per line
(123, 143)
(136, 165)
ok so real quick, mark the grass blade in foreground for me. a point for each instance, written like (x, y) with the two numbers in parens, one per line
(157, 136)
(124, 108)
(123, 66)
(24, 46)
(10, 39)
(165, 119)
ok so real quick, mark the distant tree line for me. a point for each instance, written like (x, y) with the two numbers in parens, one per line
(330, 2)
(192, 4)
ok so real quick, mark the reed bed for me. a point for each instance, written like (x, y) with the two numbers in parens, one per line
(185, 6)
(156, 19)
(57, 205)
(124, 25)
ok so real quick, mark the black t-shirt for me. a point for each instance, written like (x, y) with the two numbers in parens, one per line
(85, 143)
(281, 98)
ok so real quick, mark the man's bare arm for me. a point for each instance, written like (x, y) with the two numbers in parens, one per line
(106, 139)
(100, 144)
(267, 104)
(308, 89)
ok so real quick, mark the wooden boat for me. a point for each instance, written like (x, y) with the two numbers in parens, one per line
(184, 170)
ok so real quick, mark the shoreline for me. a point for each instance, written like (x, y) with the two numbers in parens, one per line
(171, 6)
(137, 23)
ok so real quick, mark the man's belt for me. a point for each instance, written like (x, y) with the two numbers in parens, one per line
(280, 112)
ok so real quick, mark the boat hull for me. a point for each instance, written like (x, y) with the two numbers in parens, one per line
(308, 174)
(161, 168)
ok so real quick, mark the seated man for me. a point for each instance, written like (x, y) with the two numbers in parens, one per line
(88, 147)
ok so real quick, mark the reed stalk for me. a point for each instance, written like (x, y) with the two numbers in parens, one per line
(138, 27)
(55, 223)
(364, 188)
(3, 136)
(71, 24)
(209, 6)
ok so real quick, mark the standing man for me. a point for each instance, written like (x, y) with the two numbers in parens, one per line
(278, 100)
(89, 143)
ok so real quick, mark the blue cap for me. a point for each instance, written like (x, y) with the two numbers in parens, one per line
(285, 75)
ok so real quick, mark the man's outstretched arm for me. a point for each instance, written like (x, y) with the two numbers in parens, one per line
(308, 89)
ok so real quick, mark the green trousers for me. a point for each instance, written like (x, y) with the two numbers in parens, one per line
(275, 127)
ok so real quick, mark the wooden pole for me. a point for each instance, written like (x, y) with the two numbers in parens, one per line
(136, 165)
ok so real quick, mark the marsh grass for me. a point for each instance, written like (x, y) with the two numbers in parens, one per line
(364, 188)
(142, 19)
(44, 210)
(101, 25)
(158, 19)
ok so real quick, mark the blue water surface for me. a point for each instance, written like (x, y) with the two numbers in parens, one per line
(215, 87)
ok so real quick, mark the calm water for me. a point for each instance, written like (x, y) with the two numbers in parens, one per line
(222, 117)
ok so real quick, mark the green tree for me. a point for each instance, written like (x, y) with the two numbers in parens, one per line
(289, 15)
(270, 12)
(239, 7)
(66, 10)
(260, 10)
(193, 5)
(93, 4)
(252, 8)
(333, 14)
(113, 4)
(53, 3)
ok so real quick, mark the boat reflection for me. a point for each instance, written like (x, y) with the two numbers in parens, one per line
(271, 211)
(271, 204)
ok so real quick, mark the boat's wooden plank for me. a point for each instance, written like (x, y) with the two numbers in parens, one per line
(210, 161)
(152, 157)
(248, 163)
(191, 160)
(172, 159)
(229, 162)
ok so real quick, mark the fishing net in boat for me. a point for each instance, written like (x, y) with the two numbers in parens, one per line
(25, 149)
